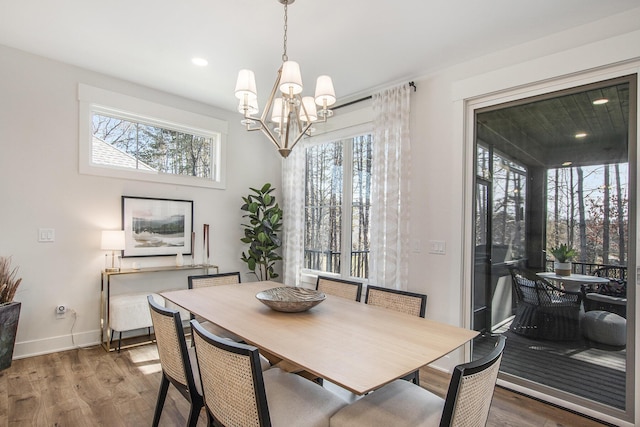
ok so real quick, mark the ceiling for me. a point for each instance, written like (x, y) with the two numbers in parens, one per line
(542, 131)
(362, 44)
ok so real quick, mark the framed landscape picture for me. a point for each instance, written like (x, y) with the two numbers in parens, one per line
(156, 227)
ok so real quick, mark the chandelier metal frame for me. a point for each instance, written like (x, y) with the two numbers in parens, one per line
(292, 115)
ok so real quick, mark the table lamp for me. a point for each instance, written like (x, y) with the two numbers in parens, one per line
(112, 240)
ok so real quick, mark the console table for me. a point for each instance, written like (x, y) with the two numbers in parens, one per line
(105, 294)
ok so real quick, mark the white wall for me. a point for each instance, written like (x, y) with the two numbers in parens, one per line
(40, 187)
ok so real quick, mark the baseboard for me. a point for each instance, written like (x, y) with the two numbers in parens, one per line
(55, 344)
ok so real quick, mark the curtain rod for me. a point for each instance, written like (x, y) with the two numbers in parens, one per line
(411, 84)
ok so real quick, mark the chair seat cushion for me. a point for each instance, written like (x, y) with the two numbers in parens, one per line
(605, 327)
(131, 311)
(398, 404)
(292, 398)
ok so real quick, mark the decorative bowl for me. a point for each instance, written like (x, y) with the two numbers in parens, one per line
(290, 299)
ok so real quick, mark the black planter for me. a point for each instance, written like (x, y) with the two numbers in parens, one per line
(9, 314)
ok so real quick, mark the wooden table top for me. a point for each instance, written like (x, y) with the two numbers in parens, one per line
(354, 345)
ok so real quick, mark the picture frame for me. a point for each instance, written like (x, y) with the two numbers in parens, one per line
(156, 227)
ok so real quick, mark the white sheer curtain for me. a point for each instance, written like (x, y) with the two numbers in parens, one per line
(389, 255)
(293, 181)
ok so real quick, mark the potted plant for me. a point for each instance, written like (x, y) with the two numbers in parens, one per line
(9, 311)
(563, 255)
(265, 222)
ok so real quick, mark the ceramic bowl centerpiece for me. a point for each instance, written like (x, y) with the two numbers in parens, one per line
(563, 255)
(290, 299)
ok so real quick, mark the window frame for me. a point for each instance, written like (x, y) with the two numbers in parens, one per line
(95, 100)
(347, 197)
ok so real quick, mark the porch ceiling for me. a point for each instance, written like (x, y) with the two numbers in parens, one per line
(542, 132)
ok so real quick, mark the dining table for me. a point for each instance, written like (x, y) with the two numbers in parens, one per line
(573, 281)
(357, 346)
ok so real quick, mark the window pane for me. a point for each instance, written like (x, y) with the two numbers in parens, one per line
(587, 208)
(122, 143)
(361, 206)
(508, 207)
(323, 207)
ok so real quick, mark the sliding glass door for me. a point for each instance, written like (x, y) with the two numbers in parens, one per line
(554, 170)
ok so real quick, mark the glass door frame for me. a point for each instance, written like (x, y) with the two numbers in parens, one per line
(469, 107)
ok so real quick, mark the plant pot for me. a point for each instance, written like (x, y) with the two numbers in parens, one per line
(9, 314)
(562, 268)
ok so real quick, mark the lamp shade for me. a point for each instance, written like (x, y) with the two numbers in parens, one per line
(246, 85)
(310, 107)
(325, 95)
(112, 240)
(291, 79)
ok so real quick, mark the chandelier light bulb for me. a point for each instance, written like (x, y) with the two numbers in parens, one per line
(248, 108)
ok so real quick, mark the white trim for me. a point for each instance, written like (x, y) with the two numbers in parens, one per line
(39, 347)
(92, 99)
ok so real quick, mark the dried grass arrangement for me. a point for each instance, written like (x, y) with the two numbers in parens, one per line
(8, 282)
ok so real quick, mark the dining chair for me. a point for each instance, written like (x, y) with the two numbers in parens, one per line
(339, 287)
(178, 362)
(403, 404)
(206, 280)
(238, 393)
(394, 299)
(406, 302)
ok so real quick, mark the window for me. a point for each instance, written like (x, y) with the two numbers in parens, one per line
(337, 206)
(587, 208)
(130, 138)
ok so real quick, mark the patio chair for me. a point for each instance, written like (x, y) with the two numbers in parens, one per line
(544, 311)
(339, 287)
(402, 404)
(237, 392)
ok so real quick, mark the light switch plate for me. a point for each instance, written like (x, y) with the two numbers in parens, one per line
(437, 247)
(46, 235)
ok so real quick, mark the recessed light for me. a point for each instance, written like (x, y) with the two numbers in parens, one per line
(600, 101)
(581, 135)
(200, 62)
(567, 163)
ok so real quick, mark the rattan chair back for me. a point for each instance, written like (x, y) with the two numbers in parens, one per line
(174, 359)
(339, 287)
(411, 303)
(207, 280)
(232, 382)
(471, 390)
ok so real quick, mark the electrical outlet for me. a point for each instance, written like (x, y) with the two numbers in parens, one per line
(61, 311)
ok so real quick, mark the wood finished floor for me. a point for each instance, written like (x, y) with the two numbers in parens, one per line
(90, 387)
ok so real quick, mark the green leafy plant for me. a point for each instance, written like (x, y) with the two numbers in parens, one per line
(261, 233)
(8, 282)
(563, 253)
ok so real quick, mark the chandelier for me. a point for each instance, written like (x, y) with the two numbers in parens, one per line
(288, 115)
